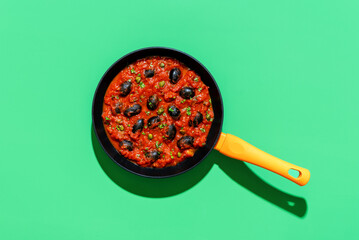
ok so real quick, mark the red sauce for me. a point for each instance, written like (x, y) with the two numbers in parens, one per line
(152, 146)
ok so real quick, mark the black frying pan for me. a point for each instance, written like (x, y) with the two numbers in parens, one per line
(225, 143)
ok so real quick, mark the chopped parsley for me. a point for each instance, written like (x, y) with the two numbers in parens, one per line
(203, 130)
(133, 70)
(195, 79)
(188, 111)
(158, 145)
(142, 85)
(199, 89)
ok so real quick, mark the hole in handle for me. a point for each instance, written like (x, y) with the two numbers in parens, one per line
(294, 173)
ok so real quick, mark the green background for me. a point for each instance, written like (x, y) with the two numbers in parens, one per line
(288, 73)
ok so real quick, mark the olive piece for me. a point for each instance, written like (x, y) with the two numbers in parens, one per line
(171, 132)
(174, 112)
(154, 155)
(138, 125)
(187, 92)
(125, 88)
(197, 119)
(175, 75)
(117, 108)
(153, 122)
(152, 102)
(133, 110)
(125, 144)
(149, 73)
(185, 142)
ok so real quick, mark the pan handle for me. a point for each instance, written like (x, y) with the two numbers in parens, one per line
(237, 148)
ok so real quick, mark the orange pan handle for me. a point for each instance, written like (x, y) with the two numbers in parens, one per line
(237, 148)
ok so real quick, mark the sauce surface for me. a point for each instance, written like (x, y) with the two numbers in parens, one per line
(157, 112)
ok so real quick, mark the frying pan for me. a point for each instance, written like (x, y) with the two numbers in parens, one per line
(227, 144)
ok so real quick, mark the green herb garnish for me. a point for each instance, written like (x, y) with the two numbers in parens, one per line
(188, 111)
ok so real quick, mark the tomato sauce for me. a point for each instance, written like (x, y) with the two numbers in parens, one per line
(157, 112)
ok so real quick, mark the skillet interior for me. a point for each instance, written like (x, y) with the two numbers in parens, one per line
(200, 153)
